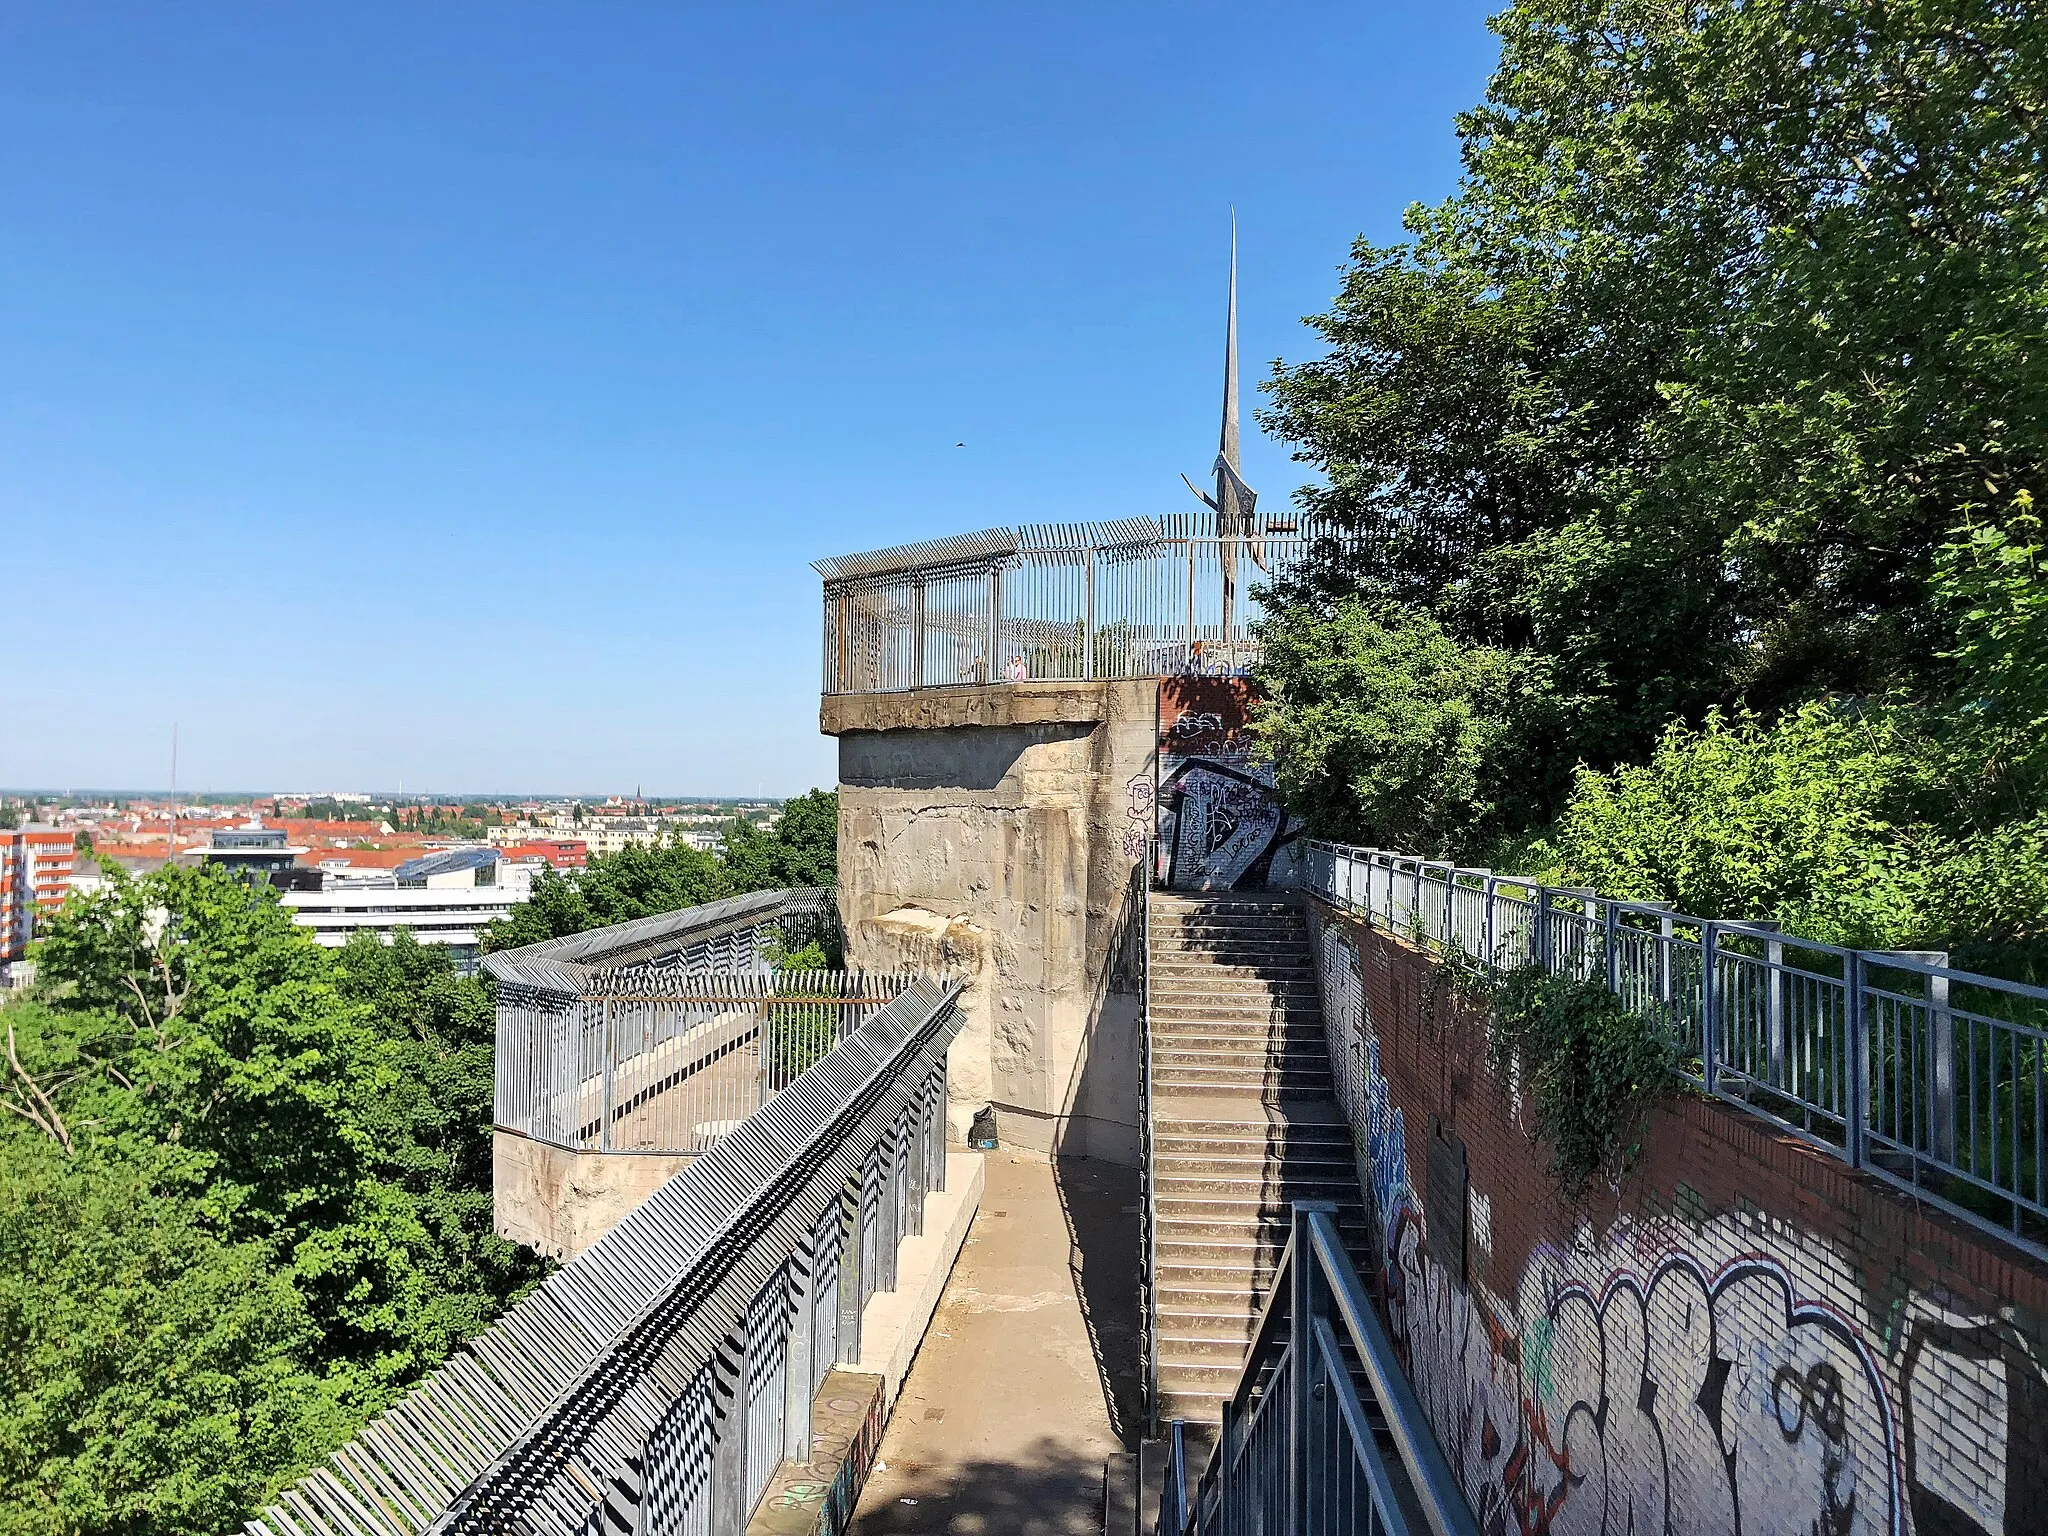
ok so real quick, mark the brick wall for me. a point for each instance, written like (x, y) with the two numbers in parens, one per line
(1741, 1334)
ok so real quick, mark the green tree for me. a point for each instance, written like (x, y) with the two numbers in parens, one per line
(1720, 384)
(643, 880)
(244, 1201)
(1386, 731)
(1734, 315)
(155, 1377)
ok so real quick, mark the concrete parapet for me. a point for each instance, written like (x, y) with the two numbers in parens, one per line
(998, 830)
(852, 1407)
(971, 705)
(893, 1323)
(559, 1202)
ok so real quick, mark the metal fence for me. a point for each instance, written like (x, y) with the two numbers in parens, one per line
(1138, 597)
(1929, 1077)
(663, 1035)
(1323, 1433)
(654, 1059)
(654, 1383)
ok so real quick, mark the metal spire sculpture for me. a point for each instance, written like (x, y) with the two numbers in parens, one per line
(1234, 501)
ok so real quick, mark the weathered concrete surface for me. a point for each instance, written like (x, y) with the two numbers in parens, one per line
(1029, 1372)
(996, 830)
(557, 1202)
(972, 704)
(893, 1323)
(846, 1432)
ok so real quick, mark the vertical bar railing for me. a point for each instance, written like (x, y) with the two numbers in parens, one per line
(1930, 1078)
(1299, 1450)
(1149, 1258)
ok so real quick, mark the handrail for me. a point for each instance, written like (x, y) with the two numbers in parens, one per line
(604, 1398)
(1284, 1460)
(1930, 1078)
(661, 1034)
(664, 1060)
(1148, 1259)
(716, 935)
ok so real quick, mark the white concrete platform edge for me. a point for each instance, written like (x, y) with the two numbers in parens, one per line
(894, 1322)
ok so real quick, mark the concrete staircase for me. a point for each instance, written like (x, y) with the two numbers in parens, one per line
(1244, 1121)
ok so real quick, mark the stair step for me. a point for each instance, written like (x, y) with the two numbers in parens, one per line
(1279, 1190)
(1166, 972)
(1244, 1013)
(1235, 1012)
(1209, 991)
(1186, 1219)
(1188, 1082)
(1254, 1059)
(1187, 1351)
(1217, 1377)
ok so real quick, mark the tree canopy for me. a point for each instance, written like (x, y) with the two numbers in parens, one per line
(245, 1182)
(1719, 385)
(245, 1199)
(639, 881)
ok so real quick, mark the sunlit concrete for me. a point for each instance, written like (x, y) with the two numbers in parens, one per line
(1027, 1380)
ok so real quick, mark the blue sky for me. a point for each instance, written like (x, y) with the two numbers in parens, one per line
(456, 395)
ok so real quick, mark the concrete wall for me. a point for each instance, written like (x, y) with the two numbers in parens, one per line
(557, 1202)
(991, 830)
(1741, 1334)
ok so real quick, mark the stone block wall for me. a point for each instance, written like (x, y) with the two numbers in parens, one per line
(1740, 1334)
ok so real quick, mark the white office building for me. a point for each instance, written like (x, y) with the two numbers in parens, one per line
(443, 899)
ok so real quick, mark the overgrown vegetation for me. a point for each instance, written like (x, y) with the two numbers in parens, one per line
(245, 1182)
(1699, 437)
(1591, 1067)
(244, 1201)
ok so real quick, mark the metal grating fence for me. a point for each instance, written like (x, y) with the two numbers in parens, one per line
(1138, 597)
(652, 1059)
(662, 1035)
(648, 1385)
(1929, 1077)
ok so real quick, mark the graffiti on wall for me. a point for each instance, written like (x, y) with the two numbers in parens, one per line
(1700, 1374)
(1220, 819)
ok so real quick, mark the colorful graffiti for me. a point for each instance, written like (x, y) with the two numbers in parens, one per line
(1721, 1374)
(1220, 820)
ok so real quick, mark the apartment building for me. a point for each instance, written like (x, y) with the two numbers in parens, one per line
(36, 865)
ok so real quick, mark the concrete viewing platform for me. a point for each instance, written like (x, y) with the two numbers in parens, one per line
(1027, 1381)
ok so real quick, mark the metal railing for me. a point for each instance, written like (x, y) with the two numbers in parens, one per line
(1138, 597)
(1931, 1078)
(1323, 1432)
(662, 1035)
(654, 1383)
(1148, 1237)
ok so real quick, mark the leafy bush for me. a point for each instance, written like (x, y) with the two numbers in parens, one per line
(1993, 580)
(1384, 729)
(1798, 821)
(1840, 823)
(1591, 1067)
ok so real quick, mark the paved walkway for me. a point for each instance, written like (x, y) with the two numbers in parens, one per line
(1028, 1378)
